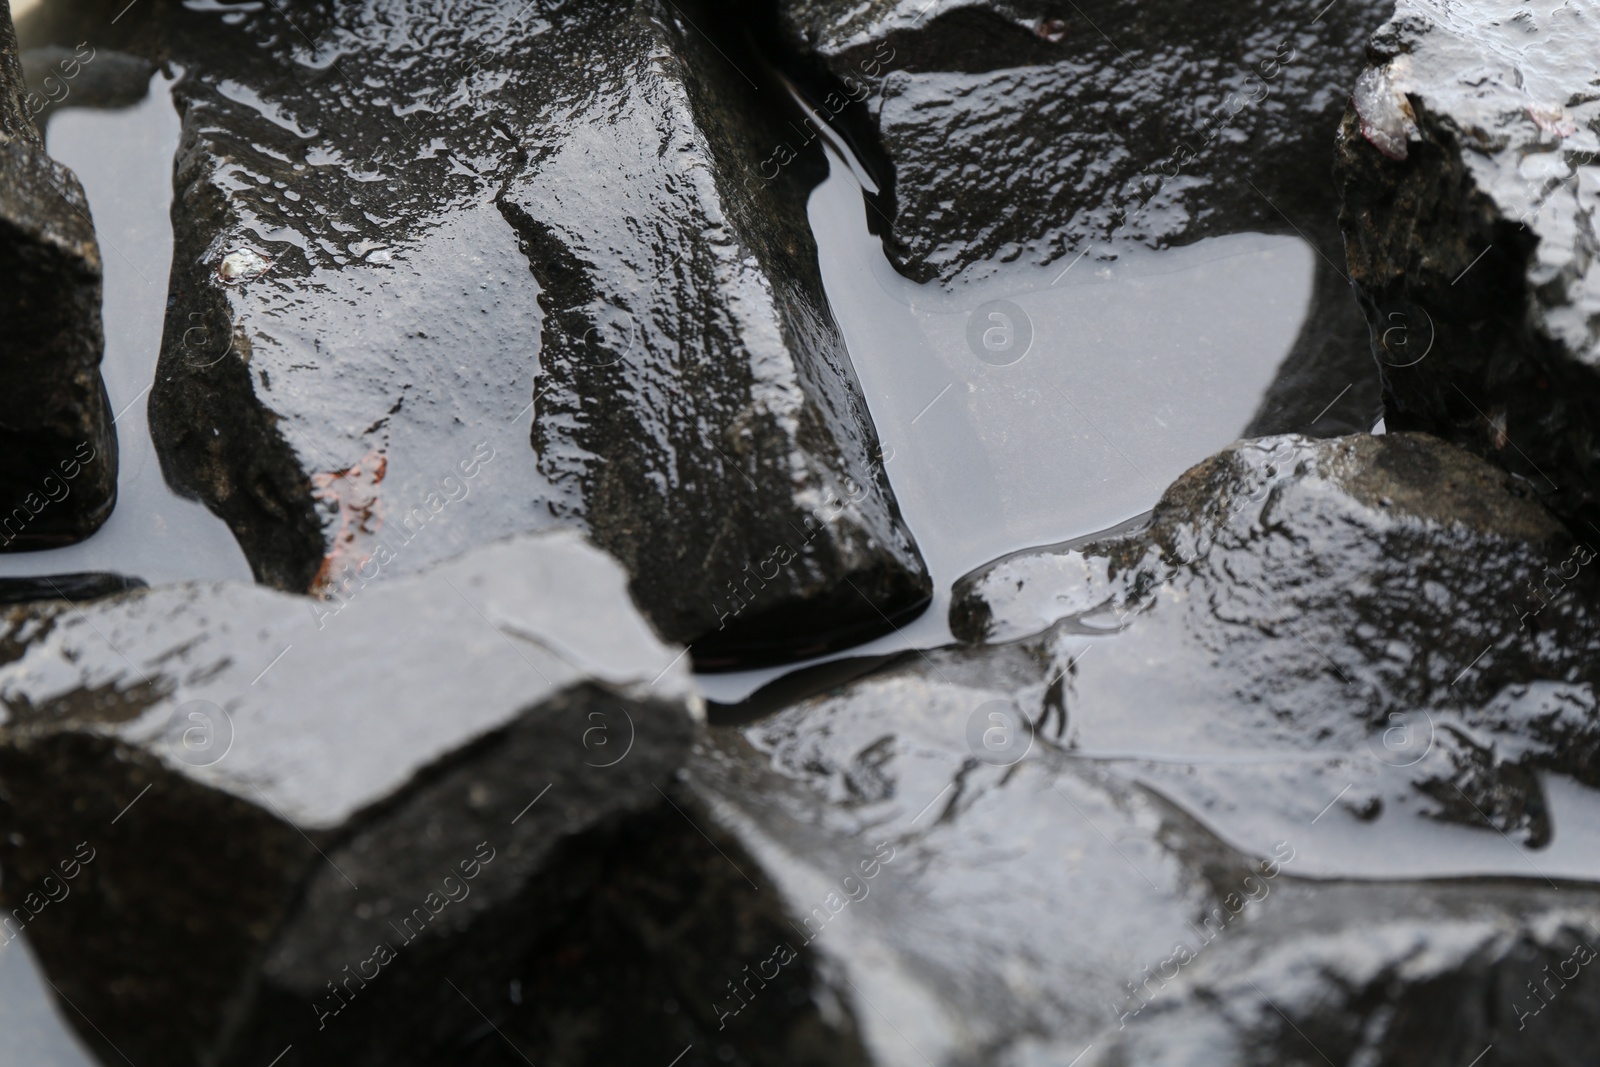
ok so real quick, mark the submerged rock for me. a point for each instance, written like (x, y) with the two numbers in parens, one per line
(1467, 163)
(1144, 833)
(402, 255)
(1040, 131)
(234, 815)
(58, 448)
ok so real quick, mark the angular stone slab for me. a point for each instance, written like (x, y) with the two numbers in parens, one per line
(1038, 132)
(58, 448)
(536, 229)
(1399, 974)
(1468, 162)
(266, 792)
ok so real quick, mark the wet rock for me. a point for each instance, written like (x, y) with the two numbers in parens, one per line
(1299, 768)
(82, 76)
(236, 819)
(1041, 131)
(977, 891)
(58, 478)
(397, 259)
(1400, 623)
(1403, 974)
(945, 890)
(1467, 162)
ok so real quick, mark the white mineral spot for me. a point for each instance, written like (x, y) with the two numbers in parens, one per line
(1386, 116)
(242, 265)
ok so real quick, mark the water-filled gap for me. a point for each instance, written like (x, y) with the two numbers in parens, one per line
(124, 158)
(1041, 404)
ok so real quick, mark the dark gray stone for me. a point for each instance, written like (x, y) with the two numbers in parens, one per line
(1039, 130)
(391, 252)
(1124, 837)
(270, 791)
(1031, 914)
(1467, 163)
(58, 448)
(82, 76)
(1320, 596)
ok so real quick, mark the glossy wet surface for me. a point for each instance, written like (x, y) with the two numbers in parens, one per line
(1016, 405)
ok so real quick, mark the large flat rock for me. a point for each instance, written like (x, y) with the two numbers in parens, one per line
(233, 816)
(530, 237)
(1467, 161)
(58, 448)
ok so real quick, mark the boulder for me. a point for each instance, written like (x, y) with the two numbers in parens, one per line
(82, 76)
(1041, 131)
(1391, 598)
(235, 818)
(976, 892)
(58, 447)
(1467, 161)
(527, 245)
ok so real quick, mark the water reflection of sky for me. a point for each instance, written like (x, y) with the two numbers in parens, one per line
(1042, 404)
(124, 159)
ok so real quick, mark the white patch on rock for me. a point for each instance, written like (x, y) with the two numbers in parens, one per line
(1386, 116)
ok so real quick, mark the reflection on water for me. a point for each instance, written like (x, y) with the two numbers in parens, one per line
(124, 159)
(1048, 403)
(1044, 404)
(33, 1034)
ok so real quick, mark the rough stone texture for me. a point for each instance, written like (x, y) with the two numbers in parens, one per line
(394, 243)
(1030, 914)
(1037, 130)
(1313, 597)
(1471, 232)
(1427, 975)
(269, 790)
(58, 448)
(1185, 720)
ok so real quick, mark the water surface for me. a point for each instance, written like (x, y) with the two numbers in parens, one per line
(124, 159)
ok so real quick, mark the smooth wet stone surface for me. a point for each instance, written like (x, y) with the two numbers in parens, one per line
(1382, 634)
(1468, 163)
(253, 790)
(394, 256)
(58, 448)
(1044, 131)
(980, 893)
